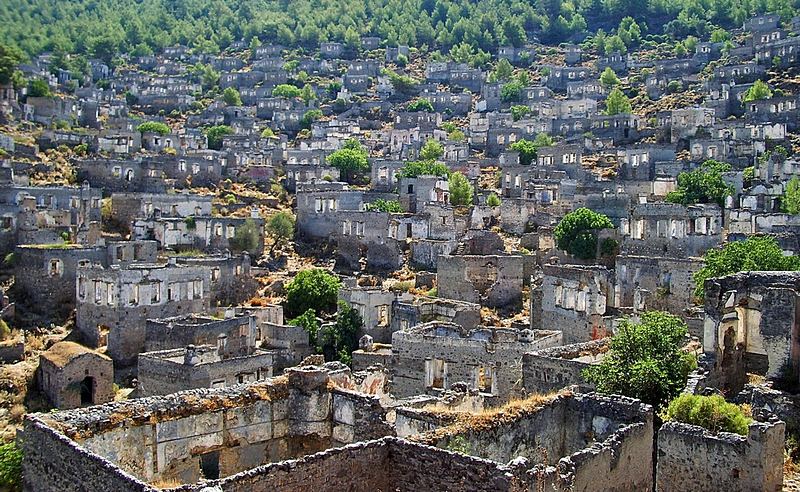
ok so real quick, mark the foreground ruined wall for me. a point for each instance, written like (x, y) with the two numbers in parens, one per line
(164, 439)
(691, 458)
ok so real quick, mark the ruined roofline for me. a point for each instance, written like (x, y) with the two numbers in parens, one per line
(748, 279)
(573, 351)
(199, 319)
(166, 355)
(515, 336)
(82, 423)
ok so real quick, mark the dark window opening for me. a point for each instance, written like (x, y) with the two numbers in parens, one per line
(87, 391)
(209, 465)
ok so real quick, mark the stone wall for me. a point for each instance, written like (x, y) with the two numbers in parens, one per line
(691, 458)
(490, 280)
(555, 368)
(486, 359)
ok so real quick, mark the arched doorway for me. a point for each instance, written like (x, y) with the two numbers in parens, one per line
(87, 391)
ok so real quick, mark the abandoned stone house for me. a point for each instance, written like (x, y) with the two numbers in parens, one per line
(552, 369)
(204, 233)
(125, 207)
(489, 280)
(375, 306)
(749, 327)
(578, 300)
(114, 303)
(73, 376)
(646, 283)
(669, 229)
(431, 357)
(169, 371)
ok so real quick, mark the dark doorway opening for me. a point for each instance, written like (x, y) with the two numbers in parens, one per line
(87, 391)
(209, 465)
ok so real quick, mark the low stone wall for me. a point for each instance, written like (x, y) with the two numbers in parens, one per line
(12, 352)
(691, 458)
(555, 368)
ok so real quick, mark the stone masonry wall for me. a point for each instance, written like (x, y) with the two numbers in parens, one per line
(691, 458)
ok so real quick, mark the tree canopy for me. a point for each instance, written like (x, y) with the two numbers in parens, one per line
(350, 160)
(431, 150)
(645, 360)
(528, 149)
(231, 97)
(413, 169)
(759, 90)
(790, 201)
(315, 289)
(381, 205)
(420, 105)
(702, 185)
(215, 134)
(287, 91)
(280, 227)
(154, 127)
(575, 233)
(461, 190)
(756, 253)
(617, 103)
(609, 78)
(246, 237)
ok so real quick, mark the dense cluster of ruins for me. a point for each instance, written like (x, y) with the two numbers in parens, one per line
(476, 328)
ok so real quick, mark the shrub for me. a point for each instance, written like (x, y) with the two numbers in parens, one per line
(645, 360)
(710, 412)
(413, 169)
(280, 228)
(493, 200)
(246, 237)
(11, 466)
(153, 127)
(420, 105)
(756, 253)
(702, 185)
(431, 150)
(315, 289)
(287, 91)
(190, 222)
(381, 205)
(575, 232)
(309, 322)
(461, 190)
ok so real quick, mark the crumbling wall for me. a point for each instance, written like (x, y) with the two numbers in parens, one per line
(691, 458)
(491, 280)
(555, 368)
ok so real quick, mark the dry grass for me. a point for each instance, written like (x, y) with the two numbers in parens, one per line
(487, 418)
(166, 483)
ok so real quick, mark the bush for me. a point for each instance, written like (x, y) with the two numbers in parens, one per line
(381, 205)
(413, 169)
(461, 190)
(38, 88)
(710, 412)
(153, 127)
(431, 150)
(191, 223)
(280, 228)
(702, 185)
(420, 105)
(287, 91)
(315, 289)
(493, 200)
(215, 134)
(575, 232)
(341, 339)
(754, 254)
(246, 237)
(11, 466)
(309, 322)
(645, 360)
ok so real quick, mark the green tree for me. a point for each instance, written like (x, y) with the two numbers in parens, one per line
(609, 78)
(280, 227)
(645, 360)
(215, 134)
(710, 412)
(420, 105)
(154, 127)
(310, 323)
(431, 150)
(209, 77)
(10, 466)
(246, 237)
(413, 169)
(310, 117)
(511, 91)
(519, 111)
(350, 160)
(702, 185)
(340, 340)
(38, 88)
(493, 200)
(10, 58)
(381, 205)
(461, 190)
(307, 94)
(403, 84)
(759, 90)
(286, 91)
(315, 289)
(503, 71)
(754, 254)
(267, 133)
(528, 149)
(790, 201)
(719, 36)
(231, 97)
(617, 103)
(576, 232)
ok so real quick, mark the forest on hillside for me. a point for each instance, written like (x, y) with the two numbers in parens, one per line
(105, 28)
